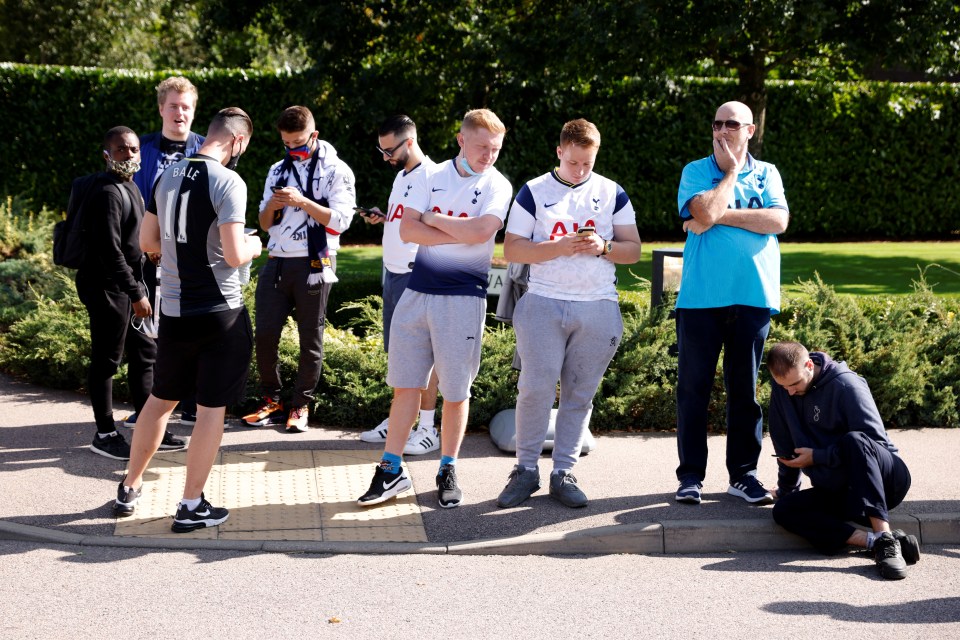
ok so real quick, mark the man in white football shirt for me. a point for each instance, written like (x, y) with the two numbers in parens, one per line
(439, 320)
(571, 226)
(398, 144)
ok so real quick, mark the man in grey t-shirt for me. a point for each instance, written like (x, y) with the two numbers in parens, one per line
(196, 218)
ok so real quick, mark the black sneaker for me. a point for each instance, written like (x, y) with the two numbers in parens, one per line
(385, 485)
(205, 515)
(889, 559)
(448, 493)
(113, 446)
(188, 418)
(909, 547)
(126, 501)
(171, 442)
(750, 489)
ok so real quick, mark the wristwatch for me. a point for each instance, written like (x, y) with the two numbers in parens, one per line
(607, 247)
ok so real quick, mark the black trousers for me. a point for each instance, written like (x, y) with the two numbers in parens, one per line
(110, 335)
(874, 482)
(282, 289)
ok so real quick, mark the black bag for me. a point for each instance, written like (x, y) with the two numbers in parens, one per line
(69, 242)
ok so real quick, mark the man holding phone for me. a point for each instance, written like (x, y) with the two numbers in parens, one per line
(571, 226)
(398, 144)
(308, 201)
(825, 424)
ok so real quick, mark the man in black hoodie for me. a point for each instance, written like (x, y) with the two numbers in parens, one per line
(110, 285)
(824, 422)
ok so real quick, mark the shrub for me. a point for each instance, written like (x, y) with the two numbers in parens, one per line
(51, 344)
(904, 346)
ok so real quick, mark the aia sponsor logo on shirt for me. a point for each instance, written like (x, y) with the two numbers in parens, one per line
(562, 228)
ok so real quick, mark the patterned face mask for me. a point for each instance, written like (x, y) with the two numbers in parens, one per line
(125, 168)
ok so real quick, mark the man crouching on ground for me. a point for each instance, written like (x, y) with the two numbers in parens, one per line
(824, 422)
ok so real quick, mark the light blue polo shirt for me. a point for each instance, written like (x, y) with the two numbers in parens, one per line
(725, 265)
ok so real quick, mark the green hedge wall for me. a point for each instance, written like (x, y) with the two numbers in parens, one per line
(859, 160)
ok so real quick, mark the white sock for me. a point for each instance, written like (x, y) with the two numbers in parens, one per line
(104, 436)
(872, 537)
(191, 504)
(426, 417)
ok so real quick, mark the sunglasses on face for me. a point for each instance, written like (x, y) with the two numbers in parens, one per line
(392, 150)
(732, 125)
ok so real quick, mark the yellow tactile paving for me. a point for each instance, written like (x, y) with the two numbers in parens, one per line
(279, 495)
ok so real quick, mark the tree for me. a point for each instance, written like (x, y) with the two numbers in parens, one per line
(830, 39)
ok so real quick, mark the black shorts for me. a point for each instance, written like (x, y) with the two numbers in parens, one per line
(207, 354)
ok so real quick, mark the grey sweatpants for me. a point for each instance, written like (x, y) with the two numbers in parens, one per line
(569, 341)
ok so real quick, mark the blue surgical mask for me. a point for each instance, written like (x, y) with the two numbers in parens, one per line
(466, 167)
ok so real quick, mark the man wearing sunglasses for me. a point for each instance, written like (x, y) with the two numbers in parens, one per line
(732, 206)
(397, 143)
(308, 201)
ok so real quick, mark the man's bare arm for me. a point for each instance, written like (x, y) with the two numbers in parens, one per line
(465, 230)
(150, 233)
(412, 229)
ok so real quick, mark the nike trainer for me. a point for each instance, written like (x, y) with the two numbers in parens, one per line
(385, 485)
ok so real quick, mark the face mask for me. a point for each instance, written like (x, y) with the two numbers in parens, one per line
(466, 167)
(124, 168)
(234, 159)
(299, 153)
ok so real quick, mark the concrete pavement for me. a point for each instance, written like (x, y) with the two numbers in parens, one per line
(55, 490)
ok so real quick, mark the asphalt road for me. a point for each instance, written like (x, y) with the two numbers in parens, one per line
(57, 592)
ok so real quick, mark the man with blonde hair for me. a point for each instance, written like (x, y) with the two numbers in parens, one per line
(438, 322)
(571, 226)
(177, 102)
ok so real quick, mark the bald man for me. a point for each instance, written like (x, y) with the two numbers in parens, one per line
(732, 207)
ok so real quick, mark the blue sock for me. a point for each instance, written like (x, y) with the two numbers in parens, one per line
(393, 460)
(446, 460)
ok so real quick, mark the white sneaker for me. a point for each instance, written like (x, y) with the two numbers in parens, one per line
(377, 434)
(422, 441)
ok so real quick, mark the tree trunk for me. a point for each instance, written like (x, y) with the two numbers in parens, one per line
(753, 92)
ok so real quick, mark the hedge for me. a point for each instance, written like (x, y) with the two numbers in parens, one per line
(859, 160)
(906, 347)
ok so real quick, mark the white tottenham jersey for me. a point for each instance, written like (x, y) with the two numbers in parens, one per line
(548, 207)
(407, 187)
(458, 269)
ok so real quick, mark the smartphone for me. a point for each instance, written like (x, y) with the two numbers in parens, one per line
(790, 457)
(586, 231)
(275, 188)
(373, 213)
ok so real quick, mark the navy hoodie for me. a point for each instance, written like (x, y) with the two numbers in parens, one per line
(837, 402)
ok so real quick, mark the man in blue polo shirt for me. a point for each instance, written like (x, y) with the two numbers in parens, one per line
(732, 206)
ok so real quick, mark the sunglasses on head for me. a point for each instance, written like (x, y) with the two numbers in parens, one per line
(732, 125)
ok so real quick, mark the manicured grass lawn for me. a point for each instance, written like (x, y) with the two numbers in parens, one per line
(863, 268)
